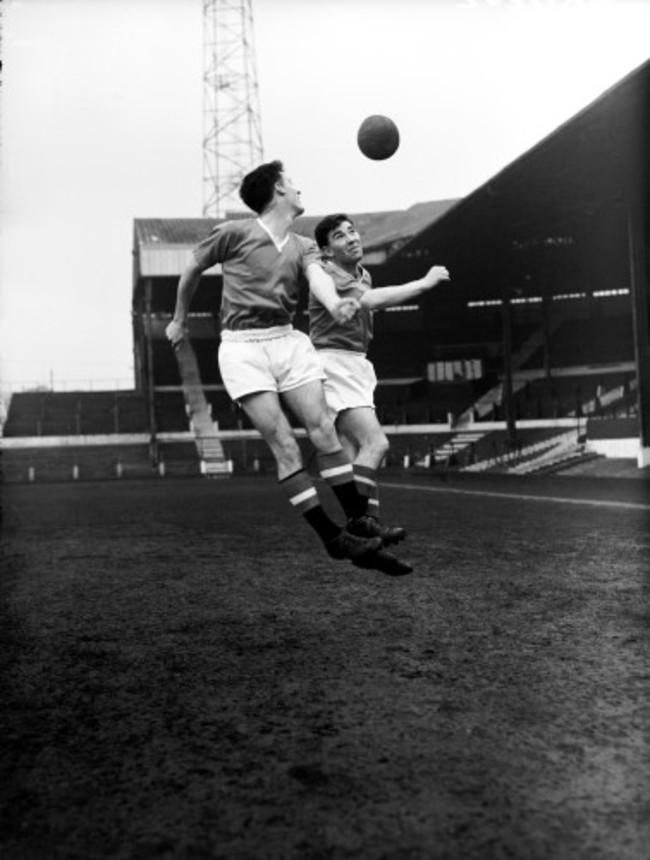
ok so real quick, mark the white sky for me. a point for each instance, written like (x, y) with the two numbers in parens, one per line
(102, 124)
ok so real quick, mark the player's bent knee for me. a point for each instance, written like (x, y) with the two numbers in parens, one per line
(383, 445)
(378, 447)
(323, 435)
(284, 446)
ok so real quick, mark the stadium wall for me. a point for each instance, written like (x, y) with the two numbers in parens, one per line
(615, 438)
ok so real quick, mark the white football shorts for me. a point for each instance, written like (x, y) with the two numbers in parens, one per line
(351, 379)
(279, 359)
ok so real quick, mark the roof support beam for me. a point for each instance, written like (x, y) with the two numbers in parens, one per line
(637, 243)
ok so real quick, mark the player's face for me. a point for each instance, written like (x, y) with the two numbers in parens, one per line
(292, 194)
(344, 244)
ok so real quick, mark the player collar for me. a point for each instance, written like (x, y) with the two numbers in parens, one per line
(359, 275)
(279, 245)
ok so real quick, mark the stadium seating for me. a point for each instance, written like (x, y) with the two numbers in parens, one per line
(179, 459)
(595, 340)
(76, 413)
(423, 402)
(165, 365)
(82, 462)
(170, 412)
(559, 452)
(606, 394)
(495, 453)
(25, 415)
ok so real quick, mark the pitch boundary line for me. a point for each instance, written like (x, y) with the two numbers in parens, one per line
(597, 503)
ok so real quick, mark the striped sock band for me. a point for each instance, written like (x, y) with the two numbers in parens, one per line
(302, 494)
(366, 478)
(337, 470)
(301, 491)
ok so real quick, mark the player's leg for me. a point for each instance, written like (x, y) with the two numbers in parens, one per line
(361, 427)
(348, 445)
(251, 378)
(349, 391)
(361, 432)
(266, 414)
(299, 374)
(307, 402)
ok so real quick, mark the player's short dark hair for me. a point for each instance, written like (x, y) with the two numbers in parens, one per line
(326, 225)
(257, 186)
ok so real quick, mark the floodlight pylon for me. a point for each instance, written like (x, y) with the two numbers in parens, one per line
(232, 133)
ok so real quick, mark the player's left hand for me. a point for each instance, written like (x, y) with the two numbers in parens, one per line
(435, 275)
(345, 310)
(176, 333)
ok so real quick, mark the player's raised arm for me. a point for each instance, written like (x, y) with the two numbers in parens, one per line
(176, 331)
(385, 297)
(322, 286)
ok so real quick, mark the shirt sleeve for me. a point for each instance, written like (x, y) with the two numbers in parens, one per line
(310, 253)
(214, 248)
(344, 283)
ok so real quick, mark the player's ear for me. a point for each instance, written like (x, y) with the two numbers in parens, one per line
(326, 251)
(280, 185)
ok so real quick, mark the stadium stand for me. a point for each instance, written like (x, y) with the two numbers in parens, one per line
(170, 412)
(76, 413)
(76, 462)
(602, 340)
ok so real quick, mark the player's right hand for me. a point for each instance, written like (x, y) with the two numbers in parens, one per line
(176, 333)
(435, 275)
(345, 310)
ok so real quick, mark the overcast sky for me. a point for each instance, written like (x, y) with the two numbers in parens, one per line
(102, 124)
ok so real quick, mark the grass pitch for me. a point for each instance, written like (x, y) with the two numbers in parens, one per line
(186, 674)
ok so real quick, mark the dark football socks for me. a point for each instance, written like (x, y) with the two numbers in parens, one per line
(337, 470)
(302, 494)
(366, 479)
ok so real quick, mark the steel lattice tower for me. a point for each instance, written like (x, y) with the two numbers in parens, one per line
(232, 135)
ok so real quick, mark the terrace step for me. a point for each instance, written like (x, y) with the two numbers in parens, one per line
(459, 442)
(561, 448)
(199, 412)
